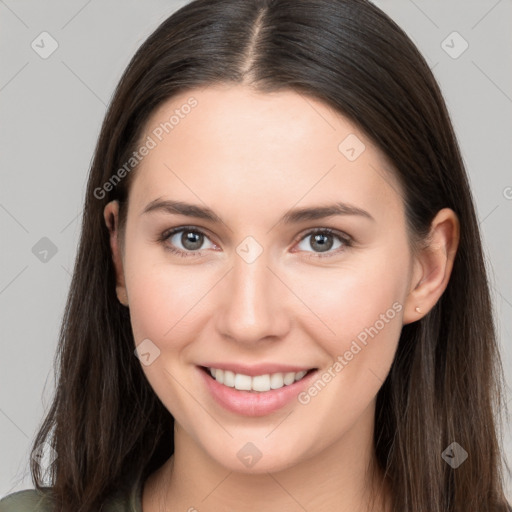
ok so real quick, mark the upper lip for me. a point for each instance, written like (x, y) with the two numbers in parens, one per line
(257, 369)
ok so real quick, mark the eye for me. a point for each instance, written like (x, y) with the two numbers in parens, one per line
(322, 240)
(191, 239)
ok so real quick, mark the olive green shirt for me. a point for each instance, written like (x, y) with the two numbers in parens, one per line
(31, 500)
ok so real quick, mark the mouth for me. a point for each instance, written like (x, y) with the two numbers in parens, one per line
(256, 395)
(257, 383)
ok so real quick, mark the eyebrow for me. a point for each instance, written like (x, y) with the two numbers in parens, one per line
(294, 216)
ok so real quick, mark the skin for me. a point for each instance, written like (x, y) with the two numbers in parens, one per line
(251, 157)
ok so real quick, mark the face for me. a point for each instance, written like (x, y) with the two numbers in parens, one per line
(259, 290)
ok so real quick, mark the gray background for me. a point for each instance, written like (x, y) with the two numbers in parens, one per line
(51, 110)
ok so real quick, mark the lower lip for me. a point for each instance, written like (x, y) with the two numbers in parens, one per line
(254, 403)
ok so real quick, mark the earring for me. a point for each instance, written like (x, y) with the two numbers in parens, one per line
(418, 310)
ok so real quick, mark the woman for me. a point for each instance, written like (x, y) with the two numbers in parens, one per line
(278, 225)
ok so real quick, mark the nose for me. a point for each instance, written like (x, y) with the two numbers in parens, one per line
(253, 305)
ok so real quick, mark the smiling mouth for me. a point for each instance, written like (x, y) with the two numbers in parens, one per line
(258, 383)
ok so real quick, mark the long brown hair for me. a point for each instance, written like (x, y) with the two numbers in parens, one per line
(107, 425)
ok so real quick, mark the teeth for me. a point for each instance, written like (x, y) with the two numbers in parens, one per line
(229, 379)
(260, 383)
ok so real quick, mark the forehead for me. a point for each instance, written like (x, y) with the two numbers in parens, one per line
(225, 142)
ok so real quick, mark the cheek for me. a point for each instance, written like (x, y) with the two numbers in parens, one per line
(364, 311)
(162, 295)
(162, 301)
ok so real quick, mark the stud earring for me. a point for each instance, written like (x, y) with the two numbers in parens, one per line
(418, 310)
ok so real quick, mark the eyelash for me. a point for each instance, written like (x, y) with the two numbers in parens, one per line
(344, 238)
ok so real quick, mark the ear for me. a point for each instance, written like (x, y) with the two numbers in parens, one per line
(111, 216)
(433, 266)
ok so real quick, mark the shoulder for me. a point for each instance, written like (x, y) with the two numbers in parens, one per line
(27, 500)
(33, 500)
